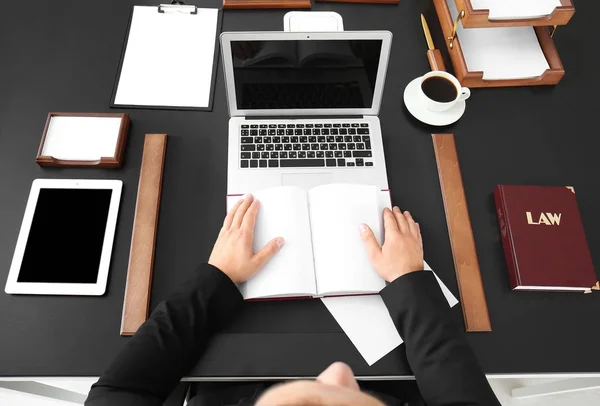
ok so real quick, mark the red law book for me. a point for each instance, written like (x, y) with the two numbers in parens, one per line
(543, 238)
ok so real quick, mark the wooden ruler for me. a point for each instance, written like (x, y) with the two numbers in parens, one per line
(468, 275)
(143, 240)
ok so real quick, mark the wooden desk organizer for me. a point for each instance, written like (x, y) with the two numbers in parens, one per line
(114, 161)
(253, 4)
(477, 18)
(475, 79)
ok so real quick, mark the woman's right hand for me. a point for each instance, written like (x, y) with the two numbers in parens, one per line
(402, 251)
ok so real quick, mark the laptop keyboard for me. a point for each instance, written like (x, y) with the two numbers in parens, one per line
(305, 145)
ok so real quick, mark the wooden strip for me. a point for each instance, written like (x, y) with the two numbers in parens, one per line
(362, 1)
(253, 4)
(436, 62)
(143, 239)
(468, 275)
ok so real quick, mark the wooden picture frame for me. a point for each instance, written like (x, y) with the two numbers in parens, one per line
(475, 78)
(479, 18)
(115, 161)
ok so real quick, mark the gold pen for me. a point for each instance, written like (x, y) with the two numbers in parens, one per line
(433, 55)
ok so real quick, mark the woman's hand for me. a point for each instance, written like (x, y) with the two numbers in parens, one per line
(232, 252)
(402, 251)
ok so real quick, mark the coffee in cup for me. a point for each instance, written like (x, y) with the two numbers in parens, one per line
(440, 91)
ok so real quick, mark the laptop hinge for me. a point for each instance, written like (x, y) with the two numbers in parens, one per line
(323, 118)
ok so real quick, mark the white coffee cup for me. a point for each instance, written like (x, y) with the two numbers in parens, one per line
(462, 93)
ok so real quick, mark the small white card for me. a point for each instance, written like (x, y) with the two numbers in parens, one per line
(312, 21)
(82, 138)
(368, 324)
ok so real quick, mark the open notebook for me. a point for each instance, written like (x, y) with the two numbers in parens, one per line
(323, 253)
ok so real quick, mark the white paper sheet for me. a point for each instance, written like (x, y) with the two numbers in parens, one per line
(81, 138)
(367, 322)
(501, 53)
(452, 300)
(516, 9)
(169, 59)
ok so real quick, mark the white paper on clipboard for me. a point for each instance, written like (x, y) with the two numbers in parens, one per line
(168, 59)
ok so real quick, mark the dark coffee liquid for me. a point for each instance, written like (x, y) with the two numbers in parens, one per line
(439, 89)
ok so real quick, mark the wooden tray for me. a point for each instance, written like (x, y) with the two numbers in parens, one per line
(475, 79)
(480, 18)
(249, 4)
(114, 161)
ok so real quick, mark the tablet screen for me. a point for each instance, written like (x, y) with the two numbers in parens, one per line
(66, 236)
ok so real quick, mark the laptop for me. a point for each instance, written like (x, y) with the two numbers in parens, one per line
(304, 108)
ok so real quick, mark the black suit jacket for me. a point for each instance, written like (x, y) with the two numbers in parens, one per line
(171, 341)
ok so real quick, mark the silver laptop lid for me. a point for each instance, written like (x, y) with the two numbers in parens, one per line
(292, 73)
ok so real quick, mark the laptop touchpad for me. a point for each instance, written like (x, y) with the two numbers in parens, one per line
(305, 180)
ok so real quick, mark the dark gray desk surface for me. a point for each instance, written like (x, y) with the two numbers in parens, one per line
(63, 55)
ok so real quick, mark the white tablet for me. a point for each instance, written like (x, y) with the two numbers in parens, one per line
(66, 238)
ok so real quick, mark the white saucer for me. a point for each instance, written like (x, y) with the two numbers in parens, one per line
(439, 118)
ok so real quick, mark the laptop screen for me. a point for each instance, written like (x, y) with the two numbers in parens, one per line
(305, 74)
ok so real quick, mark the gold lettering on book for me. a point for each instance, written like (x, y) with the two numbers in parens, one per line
(549, 219)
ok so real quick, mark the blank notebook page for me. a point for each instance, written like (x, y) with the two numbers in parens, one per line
(342, 265)
(501, 53)
(169, 59)
(516, 9)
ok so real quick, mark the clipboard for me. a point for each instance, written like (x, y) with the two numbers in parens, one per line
(175, 8)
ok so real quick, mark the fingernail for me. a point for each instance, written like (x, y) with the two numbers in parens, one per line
(396, 208)
(247, 196)
(280, 242)
(407, 213)
(362, 228)
(418, 226)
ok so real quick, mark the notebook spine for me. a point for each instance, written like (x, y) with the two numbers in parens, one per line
(507, 240)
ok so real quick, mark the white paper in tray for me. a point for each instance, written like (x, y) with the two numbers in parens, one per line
(501, 53)
(516, 9)
(82, 138)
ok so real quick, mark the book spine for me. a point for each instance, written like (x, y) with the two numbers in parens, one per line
(507, 242)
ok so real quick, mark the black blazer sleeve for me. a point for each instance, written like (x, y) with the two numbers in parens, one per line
(169, 343)
(445, 367)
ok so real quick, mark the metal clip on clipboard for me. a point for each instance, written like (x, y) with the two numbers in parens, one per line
(177, 6)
